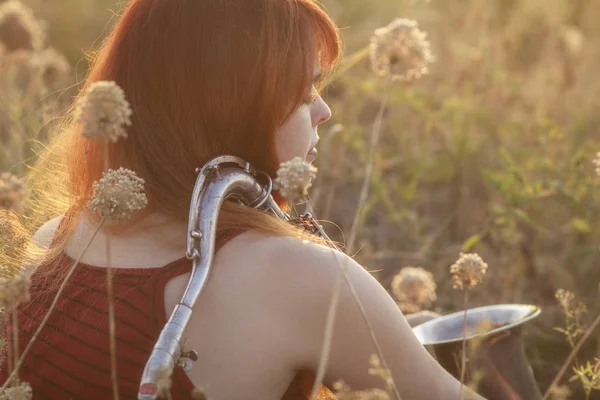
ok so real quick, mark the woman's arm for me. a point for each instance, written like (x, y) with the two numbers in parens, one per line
(315, 270)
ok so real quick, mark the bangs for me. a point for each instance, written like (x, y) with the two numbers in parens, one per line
(327, 41)
(324, 38)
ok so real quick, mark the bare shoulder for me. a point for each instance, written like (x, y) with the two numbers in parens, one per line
(289, 261)
(44, 235)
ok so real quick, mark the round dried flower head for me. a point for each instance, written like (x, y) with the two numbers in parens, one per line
(19, 29)
(294, 178)
(22, 391)
(14, 290)
(468, 271)
(12, 192)
(401, 50)
(54, 68)
(413, 287)
(118, 195)
(571, 306)
(104, 112)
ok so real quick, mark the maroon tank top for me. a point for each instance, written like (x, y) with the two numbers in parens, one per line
(71, 357)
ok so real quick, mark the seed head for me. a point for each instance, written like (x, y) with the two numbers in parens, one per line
(401, 50)
(344, 392)
(21, 391)
(572, 307)
(14, 290)
(12, 192)
(468, 271)
(294, 178)
(19, 29)
(54, 68)
(104, 112)
(118, 195)
(413, 288)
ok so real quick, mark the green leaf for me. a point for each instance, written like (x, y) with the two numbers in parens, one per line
(581, 225)
(471, 242)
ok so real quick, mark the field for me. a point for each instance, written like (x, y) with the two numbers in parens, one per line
(492, 152)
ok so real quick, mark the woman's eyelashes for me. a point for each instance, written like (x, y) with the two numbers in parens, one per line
(312, 97)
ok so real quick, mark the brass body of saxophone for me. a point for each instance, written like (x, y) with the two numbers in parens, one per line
(222, 178)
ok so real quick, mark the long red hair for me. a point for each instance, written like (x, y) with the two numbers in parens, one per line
(203, 78)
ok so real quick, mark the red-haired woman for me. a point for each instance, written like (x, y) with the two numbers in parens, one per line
(204, 78)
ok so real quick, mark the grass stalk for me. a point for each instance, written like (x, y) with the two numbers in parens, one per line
(463, 358)
(52, 307)
(375, 134)
(15, 338)
(571, 357)
(111, 305)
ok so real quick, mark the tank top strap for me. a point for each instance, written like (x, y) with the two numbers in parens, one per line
(179, 268)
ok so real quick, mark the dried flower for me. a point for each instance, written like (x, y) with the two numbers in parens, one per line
(104, 112)
(14, 291)
(588, 375)
(21, 391)
(377, 369)
(574, 311)
(12, 192)
(118, 195)
(401, 50)
(468, 271)
(54, 68)
(570, 305)
(19, 29)
(413, 288)
(294, 178)
(343, 392)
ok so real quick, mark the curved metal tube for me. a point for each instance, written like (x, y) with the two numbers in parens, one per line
(217, 181)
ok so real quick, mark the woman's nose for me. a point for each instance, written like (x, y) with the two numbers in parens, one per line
(323, 112)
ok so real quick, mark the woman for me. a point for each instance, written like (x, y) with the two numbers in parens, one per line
(208, 77)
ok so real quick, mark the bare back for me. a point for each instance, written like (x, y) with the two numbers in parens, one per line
(262, 316)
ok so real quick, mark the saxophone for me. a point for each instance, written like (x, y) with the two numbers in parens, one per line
(507, 371)
(222, 178)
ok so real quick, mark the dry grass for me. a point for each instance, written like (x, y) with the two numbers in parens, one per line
(491, 153)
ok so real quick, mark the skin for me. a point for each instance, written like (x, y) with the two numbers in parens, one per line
(298, 135)
(262, 315)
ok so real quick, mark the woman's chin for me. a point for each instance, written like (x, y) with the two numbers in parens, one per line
(311, 156)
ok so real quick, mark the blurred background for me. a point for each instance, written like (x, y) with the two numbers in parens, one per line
(490, 153)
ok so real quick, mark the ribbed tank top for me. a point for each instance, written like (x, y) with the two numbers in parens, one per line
(71, 357)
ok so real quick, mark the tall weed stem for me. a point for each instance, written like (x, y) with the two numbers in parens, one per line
(52, 307)
(329, 325)
(571, 357)
(463, 366)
